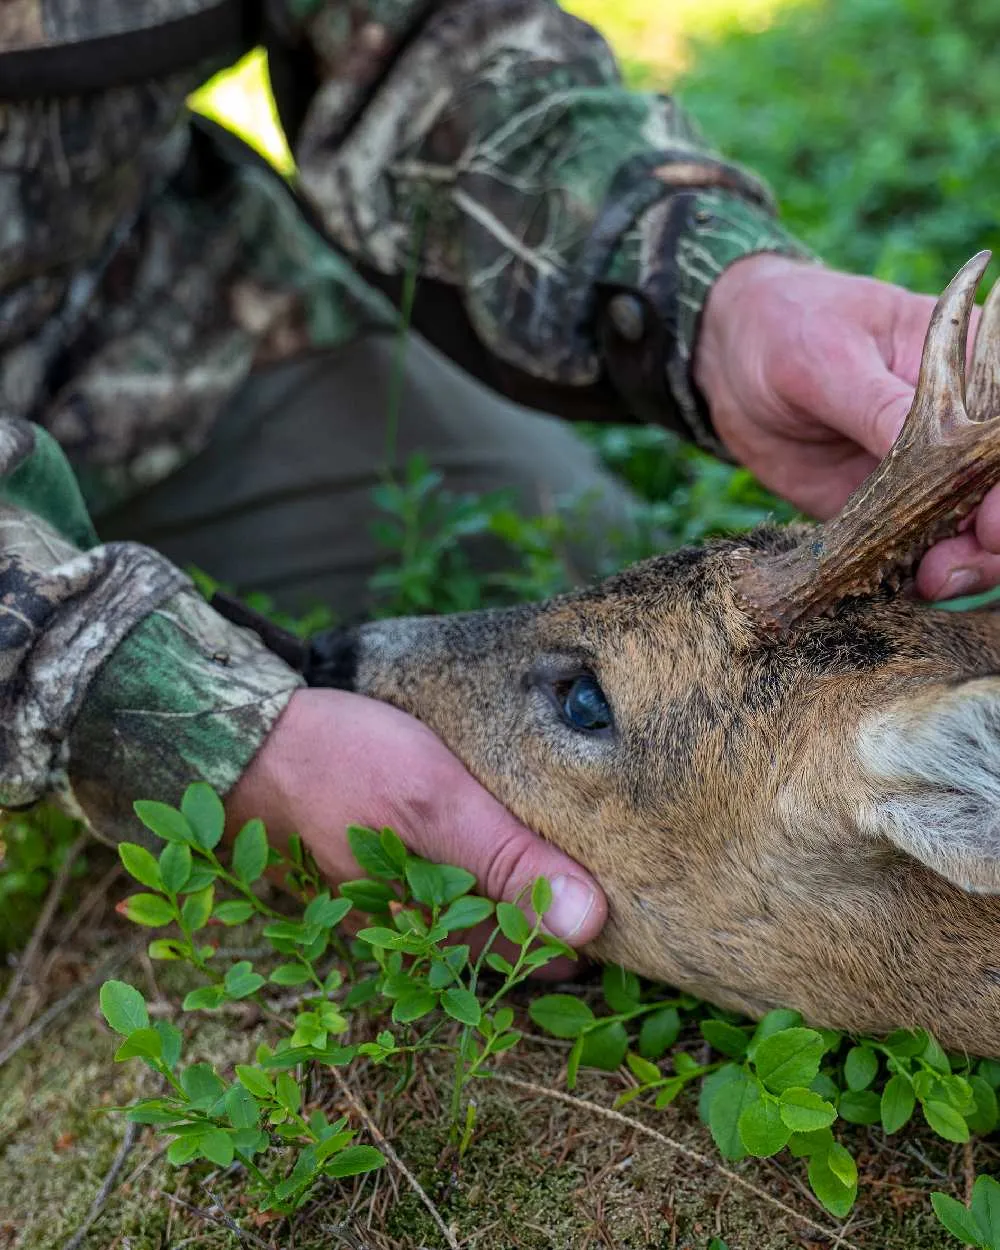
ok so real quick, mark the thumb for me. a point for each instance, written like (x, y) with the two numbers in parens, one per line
(877, 420)
(481, 836)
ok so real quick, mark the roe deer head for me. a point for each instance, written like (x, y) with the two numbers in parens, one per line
(784, 773)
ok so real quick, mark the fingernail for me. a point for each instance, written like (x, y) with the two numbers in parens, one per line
(959, 582)
(572, 901)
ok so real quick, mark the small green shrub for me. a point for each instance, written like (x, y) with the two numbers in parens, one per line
(773, 1086)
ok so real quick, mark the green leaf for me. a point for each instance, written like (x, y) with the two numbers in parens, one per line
(287, 1091)
(140, 864)
(762, 1130)
(541, 896)
(372, 897)
(204, 998)
(660, 1029)
(860, 1067)
(837, 1197)
(841, 1163)
(989, 1070)
(201, 1084)
(726, 1110)
(196, 908)
(367, 849)
(165, 821)
(144, 1043)
(513, 923)
(605, 1047)
(413, 1006)
(175, 866)
(123, 1007)
(394, 850)
(233, 911)
(250, 852)
(170, 1042)
(644, 1071)
(241, 981)
(290, 974)
(906, 1042)
(860, 1106)
(217, 1146)
(711, 1085)
(182, 1150)
(986, 1208)
(621, 988)
(945, 1120)
(791, 1057)
(326, 911)
(164, 948)
(774, 1022)
(898, 1102)
(466, 912)
(354, 1160)
(461, 1005)
(205, 814)
(257, 1081)
(241, 1107)
(150, 910)
(561, 1014)
(381, 939)
(804, 1145)
(805, 1111)
(983, 1118)
(727, 1039)
(499, 964)
(958, 1220)
(201, 876)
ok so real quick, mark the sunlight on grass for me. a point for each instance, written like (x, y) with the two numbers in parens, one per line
(650, 36)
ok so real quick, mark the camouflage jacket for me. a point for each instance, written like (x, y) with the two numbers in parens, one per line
(573, 225)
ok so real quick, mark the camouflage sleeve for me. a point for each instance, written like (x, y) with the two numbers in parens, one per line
(579, 223)
(117, 681)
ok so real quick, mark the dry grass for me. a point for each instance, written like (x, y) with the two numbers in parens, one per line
(546, 1170)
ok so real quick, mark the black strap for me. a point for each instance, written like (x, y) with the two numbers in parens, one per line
(226, 27)
(286, 645)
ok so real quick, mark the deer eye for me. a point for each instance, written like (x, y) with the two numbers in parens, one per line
(583, 705)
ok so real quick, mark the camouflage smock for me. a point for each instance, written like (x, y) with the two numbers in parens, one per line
(572, 225)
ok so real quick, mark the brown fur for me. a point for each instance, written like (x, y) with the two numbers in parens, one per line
(724, 815)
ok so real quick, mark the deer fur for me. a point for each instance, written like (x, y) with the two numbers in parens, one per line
(803, 817)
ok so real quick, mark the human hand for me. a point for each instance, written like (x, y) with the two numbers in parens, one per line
(336, 758)
(809, 374)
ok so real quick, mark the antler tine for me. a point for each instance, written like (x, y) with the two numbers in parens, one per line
(983, 389)
(939, 468)
(939, 401)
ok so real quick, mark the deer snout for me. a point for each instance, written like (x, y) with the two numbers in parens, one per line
(383, 659)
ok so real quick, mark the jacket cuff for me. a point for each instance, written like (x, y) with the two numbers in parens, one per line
(648, 332)
(187, 696)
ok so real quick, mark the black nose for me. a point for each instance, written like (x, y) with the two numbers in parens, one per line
(333, 659)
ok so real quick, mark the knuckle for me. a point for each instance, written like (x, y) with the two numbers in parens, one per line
(510, 866)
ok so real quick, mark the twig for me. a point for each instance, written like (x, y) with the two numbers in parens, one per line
(97, 1206)
(386, 1146)
(52, 900)
(63, 1004)
(582, 1104)
(223, 1218)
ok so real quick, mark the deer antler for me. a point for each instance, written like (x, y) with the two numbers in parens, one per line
(946, 458)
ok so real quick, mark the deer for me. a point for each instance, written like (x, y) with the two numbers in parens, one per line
(782, 767)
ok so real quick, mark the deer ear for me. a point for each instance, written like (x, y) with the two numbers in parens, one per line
(932, 766)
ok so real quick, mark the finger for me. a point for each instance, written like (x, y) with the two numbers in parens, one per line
(956, 567)
(473, 831)
(988, 522)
